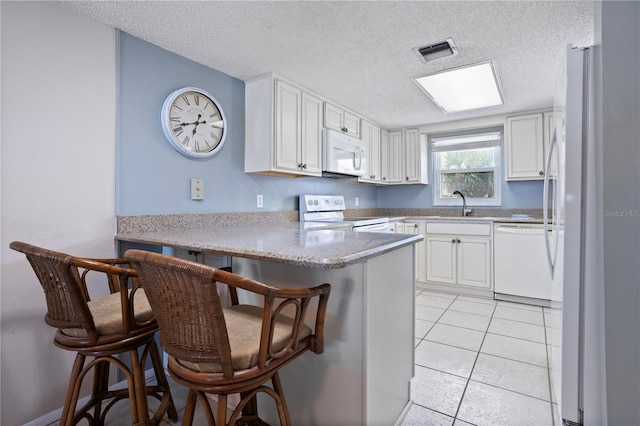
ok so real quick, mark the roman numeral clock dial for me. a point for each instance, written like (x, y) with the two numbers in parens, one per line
(193, 122)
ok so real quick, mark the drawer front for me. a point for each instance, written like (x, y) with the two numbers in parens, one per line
(458, 228)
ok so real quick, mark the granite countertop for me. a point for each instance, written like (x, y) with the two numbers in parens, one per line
(281, 242)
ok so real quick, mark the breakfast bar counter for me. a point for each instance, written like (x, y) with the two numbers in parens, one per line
(363, 377)
(285, 242)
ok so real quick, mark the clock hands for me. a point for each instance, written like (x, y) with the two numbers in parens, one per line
(195, 122)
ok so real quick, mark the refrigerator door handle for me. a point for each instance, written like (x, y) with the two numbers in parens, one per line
(545, 204)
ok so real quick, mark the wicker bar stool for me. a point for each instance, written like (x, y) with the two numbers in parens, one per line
(102, 328)
(234, 350)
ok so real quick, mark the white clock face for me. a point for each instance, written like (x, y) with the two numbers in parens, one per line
(193, 122)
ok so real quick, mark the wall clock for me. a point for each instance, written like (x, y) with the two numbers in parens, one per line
(193, 122)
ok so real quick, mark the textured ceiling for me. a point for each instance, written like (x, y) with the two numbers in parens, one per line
(359, 53)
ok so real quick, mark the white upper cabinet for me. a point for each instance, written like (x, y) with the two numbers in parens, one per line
(524, 147)
(415, 158)
(370, 135)
(396, 157)
(385, 148)
(283, 129)
(407, 158)
(341, 120)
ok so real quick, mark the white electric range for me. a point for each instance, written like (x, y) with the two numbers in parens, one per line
(322, 209)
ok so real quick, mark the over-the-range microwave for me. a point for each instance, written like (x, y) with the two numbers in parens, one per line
(343, 154)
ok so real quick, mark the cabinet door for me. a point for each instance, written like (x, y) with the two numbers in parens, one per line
(370, 135)
(396, 157)
(374, 154)
(474, 261)
(333, 117)
(524, 150)
(311, 141)
(365, 136)
(288, 101)
(441, 259)
(385, 150)
(411, 156)
(352, 123)
(421, 259)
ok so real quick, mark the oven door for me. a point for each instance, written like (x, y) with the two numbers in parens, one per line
(387, 228)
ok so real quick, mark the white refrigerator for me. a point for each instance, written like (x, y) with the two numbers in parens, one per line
(570, 208)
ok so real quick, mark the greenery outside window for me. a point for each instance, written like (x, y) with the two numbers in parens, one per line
(469, 163)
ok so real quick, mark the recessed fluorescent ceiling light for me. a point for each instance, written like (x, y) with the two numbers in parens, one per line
(461, 89)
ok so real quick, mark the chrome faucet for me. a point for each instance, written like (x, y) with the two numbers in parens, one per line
(465, 210)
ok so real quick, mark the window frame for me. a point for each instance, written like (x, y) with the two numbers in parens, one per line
(497, 145)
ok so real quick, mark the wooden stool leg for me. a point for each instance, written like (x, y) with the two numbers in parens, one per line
(222, 409)
(190, 408)
(207, 408)
(100, 387)
(283, 411)
(250, 410)
(72, 398)
(166, 404)
(141, 413)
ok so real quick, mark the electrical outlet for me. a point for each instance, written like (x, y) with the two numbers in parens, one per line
(357, 201)
(197, 189)
(259, 200)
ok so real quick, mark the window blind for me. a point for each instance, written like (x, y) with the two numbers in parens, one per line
(466, 141)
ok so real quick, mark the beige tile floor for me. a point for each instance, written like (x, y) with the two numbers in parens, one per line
(477, 361)
(484, 362)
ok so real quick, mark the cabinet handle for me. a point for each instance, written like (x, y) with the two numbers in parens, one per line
(384, 178)
(453, 241)
(406, 178)
(415, 225)
(458, 241)
(541, 173)
(304, 166)
(344, 130)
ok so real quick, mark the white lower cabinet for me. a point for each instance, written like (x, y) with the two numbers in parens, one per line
(418, 228)
(459, 254)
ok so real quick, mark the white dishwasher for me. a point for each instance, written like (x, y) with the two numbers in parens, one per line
(520, 262)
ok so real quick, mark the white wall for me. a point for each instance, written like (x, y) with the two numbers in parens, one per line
(58, 173)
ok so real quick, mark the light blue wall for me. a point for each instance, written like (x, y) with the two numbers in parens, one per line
(515, 195)
(153, 178)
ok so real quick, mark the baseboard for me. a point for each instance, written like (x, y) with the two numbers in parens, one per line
(404, 413)
(54, 416)
(455, 289)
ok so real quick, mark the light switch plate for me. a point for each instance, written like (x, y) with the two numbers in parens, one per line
(197, 189)
(259, 201)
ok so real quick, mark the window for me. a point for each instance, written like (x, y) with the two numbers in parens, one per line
(467, 162)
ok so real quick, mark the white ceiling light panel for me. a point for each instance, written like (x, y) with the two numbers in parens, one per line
(461, 89)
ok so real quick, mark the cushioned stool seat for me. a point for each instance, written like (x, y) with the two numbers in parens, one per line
(244, 324)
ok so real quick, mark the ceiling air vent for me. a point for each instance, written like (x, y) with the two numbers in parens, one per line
(436, 51)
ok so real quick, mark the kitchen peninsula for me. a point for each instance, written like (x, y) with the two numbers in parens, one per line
(363, 376)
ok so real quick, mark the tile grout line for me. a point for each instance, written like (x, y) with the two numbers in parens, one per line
(466, 386)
